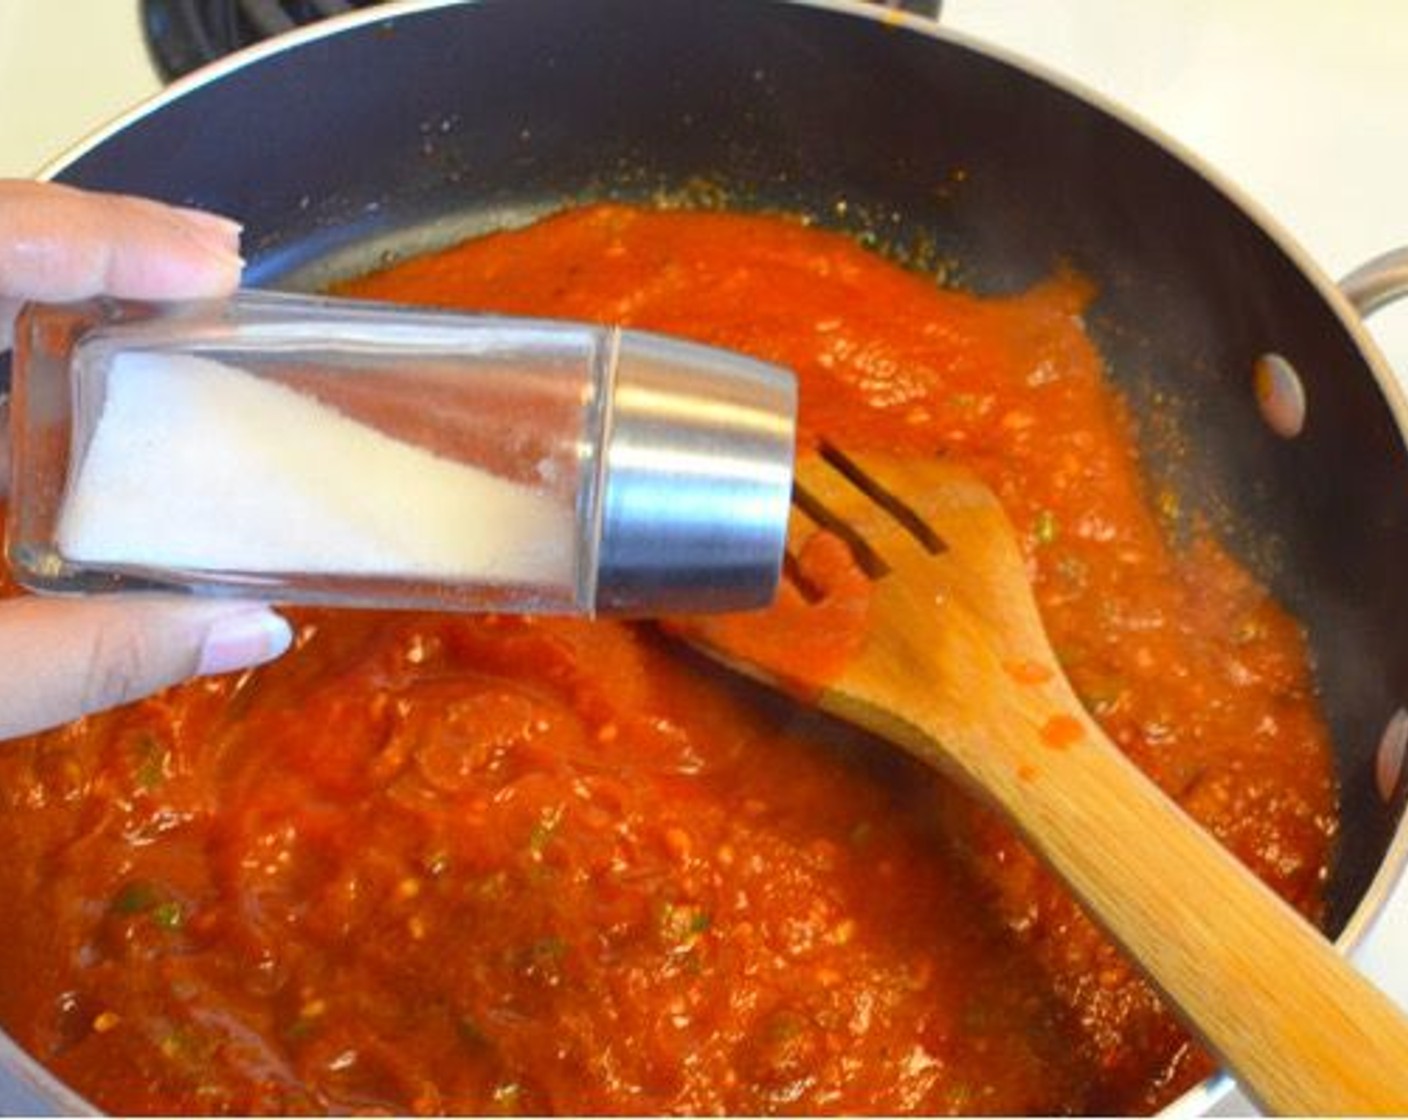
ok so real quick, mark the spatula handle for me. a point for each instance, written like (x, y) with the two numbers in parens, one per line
(1304, 1033)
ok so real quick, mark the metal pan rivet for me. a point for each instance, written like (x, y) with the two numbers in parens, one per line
(1393, 747)
(1279, 395)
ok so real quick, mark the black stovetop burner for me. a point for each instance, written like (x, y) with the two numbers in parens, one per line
(185, 34)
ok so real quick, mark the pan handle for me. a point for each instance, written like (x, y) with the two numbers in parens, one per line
(1378, 282)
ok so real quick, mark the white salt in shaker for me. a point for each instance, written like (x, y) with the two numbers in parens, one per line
(307, 450)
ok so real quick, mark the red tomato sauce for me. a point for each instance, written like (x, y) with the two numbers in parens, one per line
(453, 864)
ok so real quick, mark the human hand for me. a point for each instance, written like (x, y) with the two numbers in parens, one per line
(64, 658)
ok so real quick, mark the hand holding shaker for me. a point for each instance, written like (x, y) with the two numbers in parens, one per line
(301, 449)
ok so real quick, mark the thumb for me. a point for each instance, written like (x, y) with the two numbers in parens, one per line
(66, 658)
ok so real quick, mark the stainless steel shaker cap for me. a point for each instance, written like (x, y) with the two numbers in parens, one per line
(695, 479)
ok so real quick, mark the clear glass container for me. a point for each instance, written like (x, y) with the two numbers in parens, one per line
(306, 450)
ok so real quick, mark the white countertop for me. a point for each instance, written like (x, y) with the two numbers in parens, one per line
(1302, 104)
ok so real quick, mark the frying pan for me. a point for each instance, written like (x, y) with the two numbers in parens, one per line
(384, 134)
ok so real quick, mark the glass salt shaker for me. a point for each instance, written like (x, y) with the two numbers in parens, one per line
(301, 449)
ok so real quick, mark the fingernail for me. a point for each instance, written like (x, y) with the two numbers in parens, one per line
(214, 231)
(238, 641)
(228, 228)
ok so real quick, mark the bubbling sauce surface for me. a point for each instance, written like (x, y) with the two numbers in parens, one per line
(452, 864)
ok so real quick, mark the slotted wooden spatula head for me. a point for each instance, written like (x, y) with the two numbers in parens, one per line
(953, 664)
(951, 614)
(951, 628)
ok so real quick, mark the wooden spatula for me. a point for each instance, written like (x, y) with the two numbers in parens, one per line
(957, 669)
